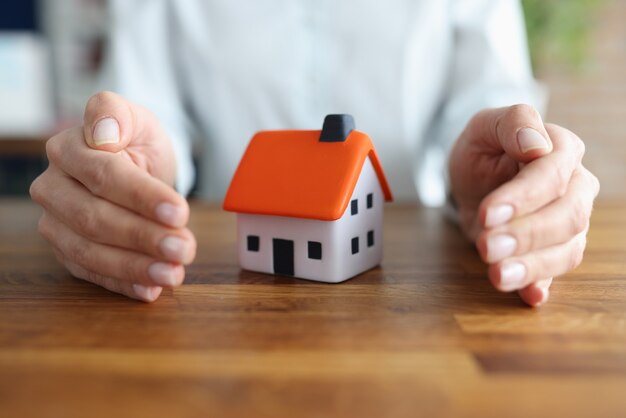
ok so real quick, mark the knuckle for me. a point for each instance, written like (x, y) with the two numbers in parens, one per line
(579, 219)
(53, 149)
(561, 179)
(527, 191)
(81, 255)
(478, 119)
(36, 190)
(97, 100)
(86, 221)
(43, 227)
(140, 237)
(577, 253)
(138, 200)
(521, 111)
(134, 270)
(533, 239)
(579, 146)
(595, 184)
(98, 178)
(591, 180)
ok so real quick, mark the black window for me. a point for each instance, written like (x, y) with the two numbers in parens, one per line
(370, 200)
(355, 245)
(354, 207)
(253, 243)
(315, 250)
(370, 238)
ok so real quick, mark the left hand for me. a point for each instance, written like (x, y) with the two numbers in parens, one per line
(523, 197)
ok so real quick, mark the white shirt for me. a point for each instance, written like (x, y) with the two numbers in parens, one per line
(411, 73)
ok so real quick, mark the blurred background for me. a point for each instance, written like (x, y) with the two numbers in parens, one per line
(50, 53)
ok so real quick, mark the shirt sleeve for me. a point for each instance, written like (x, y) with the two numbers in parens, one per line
(139, 65)
(490, 67)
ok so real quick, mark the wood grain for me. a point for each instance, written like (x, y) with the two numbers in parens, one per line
(424, 335)
(23, 146)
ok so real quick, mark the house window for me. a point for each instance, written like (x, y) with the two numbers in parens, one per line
(370, 238)
(370, 200)
(354, 207)
(253, 243)
(355, 245)
(315, 250)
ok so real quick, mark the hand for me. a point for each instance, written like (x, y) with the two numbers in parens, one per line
(523, 197)
(110, 210)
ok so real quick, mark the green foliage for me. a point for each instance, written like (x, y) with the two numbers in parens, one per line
(558, 30)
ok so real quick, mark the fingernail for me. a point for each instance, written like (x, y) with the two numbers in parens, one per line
(498, 215)
(162, 274)
(146, 293)
(107, 131)
(529, 139)
(544, 288)
(175, 248)
(500, 247)
(170, 214)
(545, 295)
(512, 277)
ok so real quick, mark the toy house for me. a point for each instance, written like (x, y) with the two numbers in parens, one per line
(309, 204)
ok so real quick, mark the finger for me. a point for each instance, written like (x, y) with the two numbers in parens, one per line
(132, 290)
(110, 122)
(116, 179)
(536, 294)
(106, 223)
(516, 130)
(556, 223)
(109, 261)
(538, 183)
(518, 272)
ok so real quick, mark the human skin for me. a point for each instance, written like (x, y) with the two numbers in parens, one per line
(523, 197)
(110, 210)
(113, 218)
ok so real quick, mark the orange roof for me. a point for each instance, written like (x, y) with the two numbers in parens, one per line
(292, 173)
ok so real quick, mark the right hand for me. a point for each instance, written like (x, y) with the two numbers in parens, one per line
(110, 210)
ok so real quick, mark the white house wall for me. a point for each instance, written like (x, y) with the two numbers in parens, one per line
(350, 226)
(337, 263)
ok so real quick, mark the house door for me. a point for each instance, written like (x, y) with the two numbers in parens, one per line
(283, 256)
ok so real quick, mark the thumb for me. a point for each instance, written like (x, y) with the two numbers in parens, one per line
(110, 122)
(517, 130)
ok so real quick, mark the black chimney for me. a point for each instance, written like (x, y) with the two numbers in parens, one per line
(337, 128)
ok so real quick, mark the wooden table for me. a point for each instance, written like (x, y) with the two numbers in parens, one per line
(30, 146)
(425, 335)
